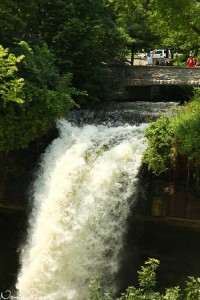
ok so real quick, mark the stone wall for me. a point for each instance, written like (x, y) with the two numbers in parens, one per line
(155, 75)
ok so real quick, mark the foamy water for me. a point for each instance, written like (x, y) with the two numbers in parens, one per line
(84, 190)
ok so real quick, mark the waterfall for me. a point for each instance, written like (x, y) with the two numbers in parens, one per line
(85, 188)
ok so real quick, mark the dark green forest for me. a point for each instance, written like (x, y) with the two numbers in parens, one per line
(56, 54)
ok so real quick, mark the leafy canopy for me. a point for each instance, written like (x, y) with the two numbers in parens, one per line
(176, 22)
(10, 85)
(47, 95)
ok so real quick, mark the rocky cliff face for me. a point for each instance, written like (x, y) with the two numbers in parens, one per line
(173, 195)
(17, 170)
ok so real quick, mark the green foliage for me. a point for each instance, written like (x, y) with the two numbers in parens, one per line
(173, 293)
(186, 124)
(20, 125)
(192, 288)
(146, 289)
(133, 16)
(176, 22)
(147, 283)
(160, 152)
(181, 60)
(39, 66)
(96, 292)
(176, 135)
(82, 36)
(47, 96)
(147, 275)
(99, 86)
(11, 22)
(10, 85)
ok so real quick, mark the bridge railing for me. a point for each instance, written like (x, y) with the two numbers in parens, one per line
(156, 75)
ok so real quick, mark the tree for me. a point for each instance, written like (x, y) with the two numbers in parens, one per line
(86, 40)
(46, 97)
(83, 35)
(132, 16)
(176, 22)
(10, 86)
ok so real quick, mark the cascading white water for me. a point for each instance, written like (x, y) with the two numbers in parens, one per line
(82, 198)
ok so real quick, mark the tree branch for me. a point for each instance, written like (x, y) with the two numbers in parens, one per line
(196, 29)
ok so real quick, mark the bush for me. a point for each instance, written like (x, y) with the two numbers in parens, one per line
(146, 290)
(186, 127)
(46, 96)
(160, 152)
(10, 85)
(19, 125)
(173, 136)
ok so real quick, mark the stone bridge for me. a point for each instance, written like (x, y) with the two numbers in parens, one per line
(129, 76)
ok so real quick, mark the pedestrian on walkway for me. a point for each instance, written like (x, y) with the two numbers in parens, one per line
(161, 60)
(149, 60)
(191, 61)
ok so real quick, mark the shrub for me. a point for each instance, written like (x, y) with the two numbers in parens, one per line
(186, 128)
(46, 95)
(10, 85)
(160, 152)
(173, 136)
(21, 124)
(146, 290)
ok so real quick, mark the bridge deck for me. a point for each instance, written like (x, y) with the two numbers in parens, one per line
(157, 75)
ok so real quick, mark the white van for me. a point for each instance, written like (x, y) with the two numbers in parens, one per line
(156, 53)
(167, 54)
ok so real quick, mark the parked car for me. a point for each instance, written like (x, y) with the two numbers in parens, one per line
(167, 54)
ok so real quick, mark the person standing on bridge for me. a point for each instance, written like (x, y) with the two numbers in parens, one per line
(161, 60)
(149, 59)
(191, 62)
